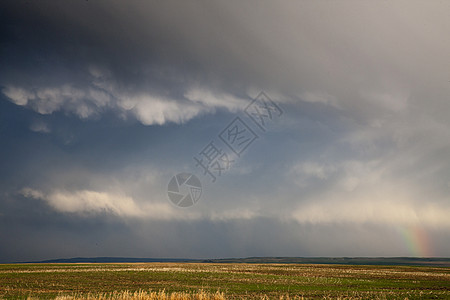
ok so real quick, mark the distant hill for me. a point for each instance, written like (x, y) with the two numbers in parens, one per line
(397, 261)
(394, 261)
(111, 260)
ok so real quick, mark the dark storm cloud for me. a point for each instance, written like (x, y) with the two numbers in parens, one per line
(88, 58)
(103, 101)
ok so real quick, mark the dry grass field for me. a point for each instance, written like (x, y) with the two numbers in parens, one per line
(221, 281)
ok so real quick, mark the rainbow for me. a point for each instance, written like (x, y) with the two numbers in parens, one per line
(416, 240)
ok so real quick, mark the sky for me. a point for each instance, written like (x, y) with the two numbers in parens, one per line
(103, 102)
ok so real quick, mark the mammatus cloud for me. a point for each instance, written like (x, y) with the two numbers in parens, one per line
(48, 100)
(148, 109)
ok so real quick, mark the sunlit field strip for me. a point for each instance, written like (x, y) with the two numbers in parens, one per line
(249, 269)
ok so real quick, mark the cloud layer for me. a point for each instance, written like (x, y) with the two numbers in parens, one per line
(102, 102)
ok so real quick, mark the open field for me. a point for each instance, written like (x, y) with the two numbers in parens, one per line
(217, 281)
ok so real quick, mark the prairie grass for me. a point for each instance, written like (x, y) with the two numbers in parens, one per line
(146, 295)
(160, 295)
